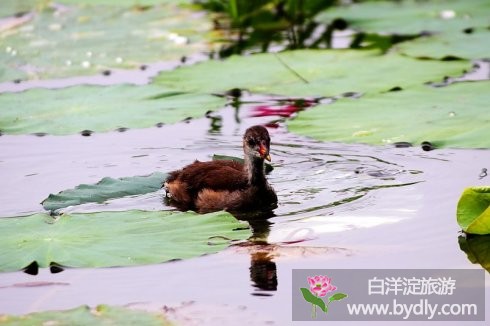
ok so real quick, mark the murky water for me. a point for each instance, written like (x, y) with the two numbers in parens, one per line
(341, 206)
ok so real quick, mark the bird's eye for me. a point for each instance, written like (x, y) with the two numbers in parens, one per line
(251, 142)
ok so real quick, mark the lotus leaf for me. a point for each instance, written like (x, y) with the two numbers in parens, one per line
(91, 39)
(473, 211)
(84, 315)
(105, 189)
(452, 116)
(474, 45)
(12, 7)
(477, 249)
(412, 16)
(100, 109)
(328, 72)
(108, 239)
(122, 2)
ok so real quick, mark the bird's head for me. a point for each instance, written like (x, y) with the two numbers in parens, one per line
(256, 143)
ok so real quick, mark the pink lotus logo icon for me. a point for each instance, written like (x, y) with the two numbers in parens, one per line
(319, 287)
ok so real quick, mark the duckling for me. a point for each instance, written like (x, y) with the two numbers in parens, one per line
(226, 185)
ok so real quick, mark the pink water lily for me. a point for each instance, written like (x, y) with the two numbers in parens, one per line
(320, 285)
(284, 109)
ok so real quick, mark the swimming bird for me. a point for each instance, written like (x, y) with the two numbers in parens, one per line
(224, 184)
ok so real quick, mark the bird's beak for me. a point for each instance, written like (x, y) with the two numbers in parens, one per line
(264, 153)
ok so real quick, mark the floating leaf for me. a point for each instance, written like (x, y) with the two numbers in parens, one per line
(308, 296)
(122, 3)
(84, 315)
(463, 245)
(328, 72)
(107, 188)
(473, 211)
(452, 116)
(475, 45)
(411, 16)
(108, 239)
(90, 39)
(477, 248)
(268, 167)
(337, 297)
(71, 110)
(13, 7)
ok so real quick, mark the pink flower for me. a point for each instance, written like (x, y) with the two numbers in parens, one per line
(284, 111)
(320, 285)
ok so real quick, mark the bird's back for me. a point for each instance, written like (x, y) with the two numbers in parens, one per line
(185, 185)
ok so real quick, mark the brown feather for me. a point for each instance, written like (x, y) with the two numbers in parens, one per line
(224, 184)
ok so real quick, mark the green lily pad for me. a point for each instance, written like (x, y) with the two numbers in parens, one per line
(474, 210)
(452, 116)
(105, 189)
(122, 3)
(475, 45)
(12, 7)
(85, 40)
(100, 109)
(108, 239)
(328, 72)
(412, 16)
(477, 248)
(84, 315)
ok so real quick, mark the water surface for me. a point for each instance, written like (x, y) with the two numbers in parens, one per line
(341, 206)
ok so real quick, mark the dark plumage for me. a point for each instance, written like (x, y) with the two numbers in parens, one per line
(226, 185)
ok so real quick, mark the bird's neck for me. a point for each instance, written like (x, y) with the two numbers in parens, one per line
(254, 167)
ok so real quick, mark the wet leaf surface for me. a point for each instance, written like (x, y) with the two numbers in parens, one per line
(84, 40)
(114, 238)
(122, 3)
(105, 189)
(411, 16)
(72, 110)
(328, 72)
(452, 116)
(474, 45)
(84, 315)
(477, 249)
(13, 7)
(473, 211)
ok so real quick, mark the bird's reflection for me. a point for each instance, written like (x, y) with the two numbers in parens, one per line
(263, 270)
(216, 122)
(263, 273)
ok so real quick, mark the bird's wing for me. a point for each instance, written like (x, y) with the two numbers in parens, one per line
(216, 175)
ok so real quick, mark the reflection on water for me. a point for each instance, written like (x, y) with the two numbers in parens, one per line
(263, 273)
(251, 26)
